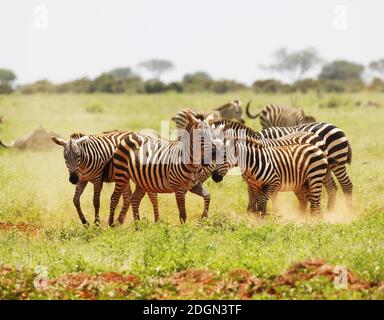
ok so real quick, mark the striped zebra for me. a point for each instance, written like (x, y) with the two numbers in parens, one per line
(337, 148)
(88, 160)
(229, 111)
(335, 145)
(280, 116)
(300, 168)
(162, 166)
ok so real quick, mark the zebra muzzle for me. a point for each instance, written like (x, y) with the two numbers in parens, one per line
(216, 176)
(73, 178)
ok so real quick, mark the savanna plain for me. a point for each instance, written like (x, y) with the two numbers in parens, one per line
(45, 252)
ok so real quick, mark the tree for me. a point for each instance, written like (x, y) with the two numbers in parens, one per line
(295, 63)
(122, 73)
(7, 76)
(341, 70)
(157, 67)
(378, 67)
(198, 81)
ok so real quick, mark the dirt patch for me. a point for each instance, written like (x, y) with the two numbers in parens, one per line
(309, 269)
(197, 284)
(20, 227)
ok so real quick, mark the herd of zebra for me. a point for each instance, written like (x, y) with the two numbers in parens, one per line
(292, 152)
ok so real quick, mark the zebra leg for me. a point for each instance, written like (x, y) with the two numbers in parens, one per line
(303, 200)
(180, 199)
(120, 186)
(202, 192)
(266, 193)
(253, 195)
(127, 196)
(76, 201)
(97, 187)
(314, 195)
(346, 184)
(262, 204)
(136, 199)
(331, 187)
(153, 197)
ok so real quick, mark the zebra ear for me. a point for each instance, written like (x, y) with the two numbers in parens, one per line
(59, 141)
(81, 140)
(192, 119)
(210, 118)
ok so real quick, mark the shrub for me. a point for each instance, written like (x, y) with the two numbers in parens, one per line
(268, 86)
(5, 88)
(223, 86)
(154, 86)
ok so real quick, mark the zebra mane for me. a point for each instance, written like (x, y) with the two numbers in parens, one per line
(77, 135)
(236, 125)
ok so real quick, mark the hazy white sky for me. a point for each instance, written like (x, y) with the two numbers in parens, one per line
(226, 38)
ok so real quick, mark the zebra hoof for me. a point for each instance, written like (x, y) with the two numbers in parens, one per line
(85, 223)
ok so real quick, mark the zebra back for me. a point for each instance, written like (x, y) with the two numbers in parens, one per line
(336, 144)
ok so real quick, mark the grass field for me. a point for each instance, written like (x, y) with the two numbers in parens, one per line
(229, 255)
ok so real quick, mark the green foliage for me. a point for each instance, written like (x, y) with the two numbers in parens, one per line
(223, 86)
(154, 86)
(5, 88)
(94, 108)
(198, 81)
(377, 85)
(7, 76)
(82, 85)
(342, 70)
(269, 86)
(41, 86)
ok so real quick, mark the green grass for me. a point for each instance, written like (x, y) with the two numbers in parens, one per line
(35, 189)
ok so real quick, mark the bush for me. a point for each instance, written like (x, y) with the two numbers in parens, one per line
(5, 88)
(195, 82)
(306, 85)
(154, 86)
(41, 86)
(377, 85)
(94, 108)
(268, 86)
(175, 86)
(82, 85)
(223, 86)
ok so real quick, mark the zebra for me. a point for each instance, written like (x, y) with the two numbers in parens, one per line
(300, 168)
(334, 144)
(162, 166)
(280, 116)
(88, 160)
(229, 111)
(337, 148)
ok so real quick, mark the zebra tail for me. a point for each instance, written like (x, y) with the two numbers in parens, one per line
(108, 171)
(349, 156)
(248, 113)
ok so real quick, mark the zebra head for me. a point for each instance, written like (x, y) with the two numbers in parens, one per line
(72, 155)
(228, 157)
(203, 138)
(232, 110)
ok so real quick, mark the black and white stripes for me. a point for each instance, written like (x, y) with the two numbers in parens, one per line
(280, 116)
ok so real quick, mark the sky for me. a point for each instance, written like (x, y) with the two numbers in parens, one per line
(64, 40)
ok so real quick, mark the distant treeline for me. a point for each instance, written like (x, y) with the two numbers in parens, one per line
(190, 84)
(335, 76)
